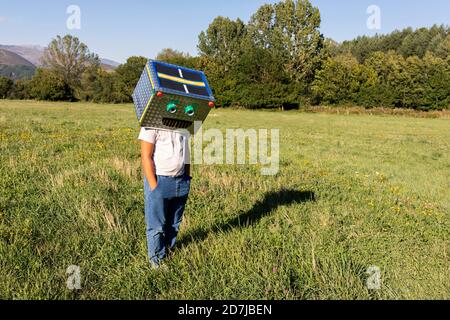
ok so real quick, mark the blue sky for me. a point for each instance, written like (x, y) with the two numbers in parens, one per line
(117, 29)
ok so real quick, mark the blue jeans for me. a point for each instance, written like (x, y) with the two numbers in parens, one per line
(164, 207)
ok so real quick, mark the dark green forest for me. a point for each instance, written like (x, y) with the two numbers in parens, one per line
(279, 59)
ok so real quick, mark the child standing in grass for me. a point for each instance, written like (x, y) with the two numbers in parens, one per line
(166, 166)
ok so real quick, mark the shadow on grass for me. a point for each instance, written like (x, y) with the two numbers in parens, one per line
(260, 209)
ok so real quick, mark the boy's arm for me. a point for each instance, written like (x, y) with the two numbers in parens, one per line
(148, 166)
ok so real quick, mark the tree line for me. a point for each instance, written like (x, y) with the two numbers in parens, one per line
(279, 59)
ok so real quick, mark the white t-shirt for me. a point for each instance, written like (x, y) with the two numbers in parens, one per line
(171, 153)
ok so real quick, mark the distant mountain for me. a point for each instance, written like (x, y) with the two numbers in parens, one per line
(29, 52)
(34, 54)
(10, 58)
(14, 66)
(111, 63)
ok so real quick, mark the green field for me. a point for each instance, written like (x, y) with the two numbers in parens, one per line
(353, 191)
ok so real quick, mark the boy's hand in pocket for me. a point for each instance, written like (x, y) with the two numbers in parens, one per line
(153, 183)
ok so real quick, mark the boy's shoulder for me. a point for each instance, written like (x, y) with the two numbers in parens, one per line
(148, 135)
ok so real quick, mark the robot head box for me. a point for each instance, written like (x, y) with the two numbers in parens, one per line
(171, 97)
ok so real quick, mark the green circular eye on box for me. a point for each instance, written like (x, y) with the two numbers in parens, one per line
(189, 110)
(171, 108)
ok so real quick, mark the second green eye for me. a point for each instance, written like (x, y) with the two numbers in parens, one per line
(189, 110)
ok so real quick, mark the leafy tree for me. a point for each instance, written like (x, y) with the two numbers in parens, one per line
(127, 76)
(100, 86)
(20, 90)
(279, 48)
(416, 43)
(221, 44)
(106, 90)
(407, 42)
(257, 65)
(436, 82)
(290, 30)
(380, 93)
(69, 57)
(330, 48)
(89, 84)
(48, 84)
(393, 81)
(6, 85)
(220, 48)
(360, 47)
(341, 79)
(177, 57)
(392, 41)
(443, 49)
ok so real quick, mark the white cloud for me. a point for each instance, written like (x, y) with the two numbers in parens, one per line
(2, 19)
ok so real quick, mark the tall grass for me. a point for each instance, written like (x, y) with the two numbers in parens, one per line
(353, 191)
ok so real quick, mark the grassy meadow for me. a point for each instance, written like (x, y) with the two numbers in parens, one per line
(353, 191)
